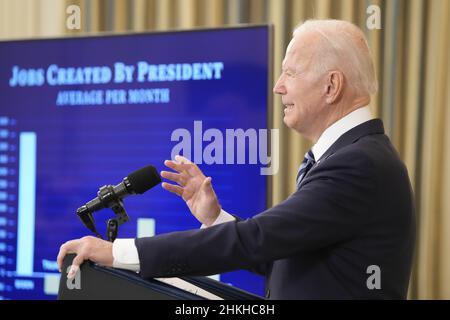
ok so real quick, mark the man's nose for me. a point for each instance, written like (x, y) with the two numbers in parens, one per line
(279, 87)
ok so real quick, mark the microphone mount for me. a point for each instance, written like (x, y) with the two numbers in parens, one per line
(109, 198)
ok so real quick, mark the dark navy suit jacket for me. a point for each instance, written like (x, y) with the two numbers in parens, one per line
(353, 210)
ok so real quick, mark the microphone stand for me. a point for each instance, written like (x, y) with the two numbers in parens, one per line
(109, 199)
(113, 224)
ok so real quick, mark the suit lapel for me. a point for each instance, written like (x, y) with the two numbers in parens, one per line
(370, 127)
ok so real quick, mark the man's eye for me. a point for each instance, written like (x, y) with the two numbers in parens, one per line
(289, 73)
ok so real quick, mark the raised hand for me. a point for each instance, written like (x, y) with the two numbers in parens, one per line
(194, 188)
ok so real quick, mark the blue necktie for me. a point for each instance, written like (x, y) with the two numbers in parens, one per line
(306, 164)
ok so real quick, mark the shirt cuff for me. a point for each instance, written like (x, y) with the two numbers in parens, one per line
(222, 218)
(125, 255)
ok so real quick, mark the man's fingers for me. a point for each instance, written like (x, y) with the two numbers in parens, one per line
(66, 248)
(183, 165)
(174, 177)
(207, 182)
(62, 253)
(73, 271)
(182, 159)
(77, 261)
(207, 185)
(173, 188)
(179, 167)
(192, 168)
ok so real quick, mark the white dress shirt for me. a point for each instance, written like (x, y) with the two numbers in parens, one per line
(124, 250)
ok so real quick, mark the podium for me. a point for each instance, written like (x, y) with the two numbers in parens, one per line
(95, 282)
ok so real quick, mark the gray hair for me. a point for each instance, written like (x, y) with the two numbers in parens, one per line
(345, 46)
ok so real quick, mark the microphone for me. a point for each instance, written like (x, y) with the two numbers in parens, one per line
(138, 182)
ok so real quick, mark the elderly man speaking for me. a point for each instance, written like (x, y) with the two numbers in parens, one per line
(348, 230)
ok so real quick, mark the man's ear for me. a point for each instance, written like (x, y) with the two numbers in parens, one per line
(334, 86)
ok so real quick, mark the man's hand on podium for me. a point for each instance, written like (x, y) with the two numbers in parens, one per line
(86, 248)
(194, 188)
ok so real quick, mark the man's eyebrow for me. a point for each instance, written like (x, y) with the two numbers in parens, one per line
(288, 69)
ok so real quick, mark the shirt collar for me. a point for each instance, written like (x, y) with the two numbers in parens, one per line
(337, 129)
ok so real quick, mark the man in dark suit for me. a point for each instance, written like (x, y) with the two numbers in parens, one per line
(346, 232)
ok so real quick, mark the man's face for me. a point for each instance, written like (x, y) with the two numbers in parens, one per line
(300, 89)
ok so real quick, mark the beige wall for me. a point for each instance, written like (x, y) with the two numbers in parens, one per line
(412, 56)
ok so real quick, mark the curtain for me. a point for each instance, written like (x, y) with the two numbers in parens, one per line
(412, 60)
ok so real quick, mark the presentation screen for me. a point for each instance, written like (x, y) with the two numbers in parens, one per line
(80, 113)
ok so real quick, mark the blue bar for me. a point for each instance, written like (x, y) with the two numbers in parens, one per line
(3, 171)
(4, 133)
(4, 121)
(145, 227)
(27, 194)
